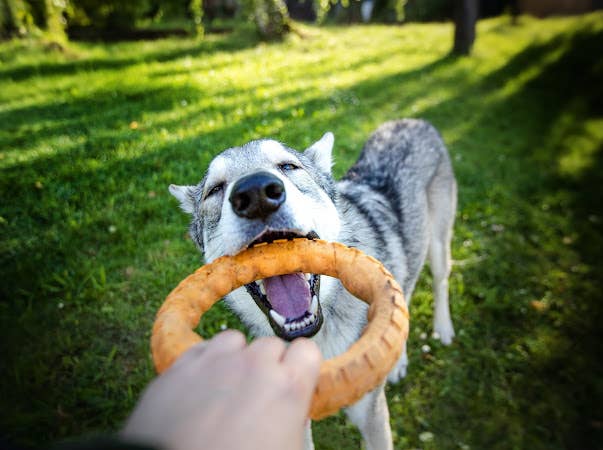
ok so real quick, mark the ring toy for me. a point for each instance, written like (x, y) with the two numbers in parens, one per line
(344, 379)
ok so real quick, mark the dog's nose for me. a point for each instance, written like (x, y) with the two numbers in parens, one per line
(257, 195)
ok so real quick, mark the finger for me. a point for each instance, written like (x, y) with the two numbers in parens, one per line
(185, 359)
(225, 342)
(303, 360)
(228, 341)
(305, 354)
(266, 349)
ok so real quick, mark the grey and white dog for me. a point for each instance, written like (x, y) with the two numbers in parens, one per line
(397, 203)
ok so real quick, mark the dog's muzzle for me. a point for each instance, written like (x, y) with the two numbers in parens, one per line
(291, 302)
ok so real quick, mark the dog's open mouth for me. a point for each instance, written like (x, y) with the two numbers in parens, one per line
(290, 302)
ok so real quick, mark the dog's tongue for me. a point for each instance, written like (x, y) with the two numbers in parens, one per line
(289, 294)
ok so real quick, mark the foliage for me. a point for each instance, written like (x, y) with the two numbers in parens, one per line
(115, 14)
(91, 242)
(428, 10)
(387, 10)
(19, 17)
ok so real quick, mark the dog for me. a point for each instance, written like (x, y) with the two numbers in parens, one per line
(397, 203)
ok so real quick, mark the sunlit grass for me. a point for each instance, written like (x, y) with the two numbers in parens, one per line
(581, 148)
(91, 242)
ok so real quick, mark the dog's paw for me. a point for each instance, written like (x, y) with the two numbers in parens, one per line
(399, 370)
(444, 331)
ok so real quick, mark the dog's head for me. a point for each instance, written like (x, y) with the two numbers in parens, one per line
(260, 192)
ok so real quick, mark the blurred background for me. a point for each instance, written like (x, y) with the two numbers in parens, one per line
(103, 104)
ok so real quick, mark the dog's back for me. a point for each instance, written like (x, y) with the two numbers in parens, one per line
(402, 182)
(398, 204)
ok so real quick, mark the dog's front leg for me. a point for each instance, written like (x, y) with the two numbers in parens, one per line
(308, 441)
(399, 370)
(371, 416)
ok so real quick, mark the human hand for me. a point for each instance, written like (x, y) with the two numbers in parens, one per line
(224, 394)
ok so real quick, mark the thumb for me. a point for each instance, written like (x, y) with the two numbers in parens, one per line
(303, 359)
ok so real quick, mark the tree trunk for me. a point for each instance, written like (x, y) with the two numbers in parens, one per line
(55, 23)
(12, 15)
(271, 18)
(465, 18)
(514, 10)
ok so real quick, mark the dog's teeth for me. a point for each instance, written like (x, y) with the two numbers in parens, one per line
(314, 306)
(297, 324)
(308, 277)
(262, 287)
(280, 320)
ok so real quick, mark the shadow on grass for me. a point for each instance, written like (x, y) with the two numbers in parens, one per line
(239, 40)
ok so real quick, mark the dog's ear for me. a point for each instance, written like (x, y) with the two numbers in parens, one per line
(321, 152)
(184, 194)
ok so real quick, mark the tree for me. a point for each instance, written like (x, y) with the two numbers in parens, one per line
(271, 18)
(15, 18)
(465, 18)
(19, 17)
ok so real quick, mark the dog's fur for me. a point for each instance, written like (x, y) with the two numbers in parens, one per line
(397, 203)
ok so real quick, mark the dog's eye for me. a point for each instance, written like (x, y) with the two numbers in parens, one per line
(285, 167)
(214, 190)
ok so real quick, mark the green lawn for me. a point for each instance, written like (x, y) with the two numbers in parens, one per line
(91, 242)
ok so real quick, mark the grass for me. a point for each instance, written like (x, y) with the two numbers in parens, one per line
(91, 242)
